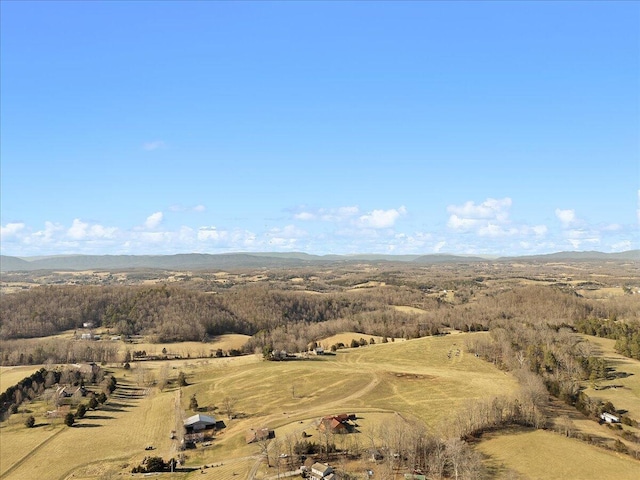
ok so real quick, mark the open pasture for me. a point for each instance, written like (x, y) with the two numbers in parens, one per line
(546, 456)
(421, 378)
(418, 378)
(345, 338)
(10, 376)
(189, 349)
(623, 388)
(115, 434)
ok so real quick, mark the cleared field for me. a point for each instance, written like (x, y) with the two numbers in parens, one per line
(544, 455)
(193, 349)
(415, 379)
(623, 391)
(345, 338)
(408, 309)
(11, 375)
(604, 292)
(131, 419)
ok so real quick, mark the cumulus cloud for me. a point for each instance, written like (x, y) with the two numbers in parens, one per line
(211, 233)
(566, 217)
(339, 214)
(381, 218)
(80, 230)
(470, 216)
(304, 216)
(154, 145)
(490, 220)
(153, 220)
(50, 232)
(489, 209)
(11, 230)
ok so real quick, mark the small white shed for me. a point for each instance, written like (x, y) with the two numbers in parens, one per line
(609, 418)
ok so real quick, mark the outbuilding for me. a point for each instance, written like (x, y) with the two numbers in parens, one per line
(609, 418)
(199, 422)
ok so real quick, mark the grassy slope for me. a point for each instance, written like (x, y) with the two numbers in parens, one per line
(369, 381)
(10, 376)
(415, 378)
(125, 425)
(195, 349)
(545, 455)
(626, 395)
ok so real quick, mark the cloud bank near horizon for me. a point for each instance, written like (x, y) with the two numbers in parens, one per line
(470, 228)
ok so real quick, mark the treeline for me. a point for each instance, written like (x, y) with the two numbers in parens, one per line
(626, 334)
(289, 320)
(165, 313)
(58, 350)
(33, 386)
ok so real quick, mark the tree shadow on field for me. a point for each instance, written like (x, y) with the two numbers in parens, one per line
(86, 425)
(115, 407)
(98, 417)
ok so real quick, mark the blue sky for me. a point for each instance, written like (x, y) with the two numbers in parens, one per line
(326, 127)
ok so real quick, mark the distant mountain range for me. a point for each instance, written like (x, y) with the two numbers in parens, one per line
(201, 261)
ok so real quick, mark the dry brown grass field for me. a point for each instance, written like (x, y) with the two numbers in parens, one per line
(11, 375)
(189, 349)
(414, 379)
(419, 381)
(624, 390)
(547, 456)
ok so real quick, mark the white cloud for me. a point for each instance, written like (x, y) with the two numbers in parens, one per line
(489, 209)
(566, 217)
(339, 214)
(211, 233)
(540, 230)
(49, 233)
(486, 216)
(622, 246)
(181, 208)
(11, 230)
(153, 220)
(154, 145)
(304, 216)
(80, 230)
(381, 218)
(457, 223)
(494, 230)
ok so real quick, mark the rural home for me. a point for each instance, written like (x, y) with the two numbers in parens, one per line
(199, 422)
(338, 424)
(609, 418)
(259, 434)
(67, 392)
